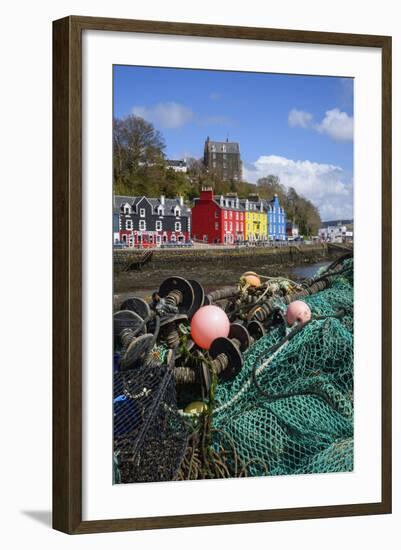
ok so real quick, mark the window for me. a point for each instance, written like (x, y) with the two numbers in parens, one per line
(128, 224)
(236, 216)
(127, 209)
(231, 226)
(223, 148)
(158, 225)
(142, 225)
(214, 155)
(216, 214)
(177, 211)
(216, 225)
(225, 214)
(236, 226)
(173, 238)
(142, 212)
(177, 226)
(230, 215)
(225, 226)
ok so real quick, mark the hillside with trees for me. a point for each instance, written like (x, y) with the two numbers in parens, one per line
(140, 168)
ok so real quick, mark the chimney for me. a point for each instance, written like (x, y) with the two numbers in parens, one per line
(206, 194)
(181, 201)
(162, 199)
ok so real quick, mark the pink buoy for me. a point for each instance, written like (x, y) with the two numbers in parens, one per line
(299, 312)
(209, 323)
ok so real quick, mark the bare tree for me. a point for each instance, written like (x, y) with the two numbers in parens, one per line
(136, 145)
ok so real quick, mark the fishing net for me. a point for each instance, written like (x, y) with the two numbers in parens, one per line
(150, 437)
(290, 410)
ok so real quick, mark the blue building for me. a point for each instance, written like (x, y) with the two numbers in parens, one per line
(276, 220)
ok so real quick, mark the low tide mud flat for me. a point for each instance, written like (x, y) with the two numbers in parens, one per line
(215, 269)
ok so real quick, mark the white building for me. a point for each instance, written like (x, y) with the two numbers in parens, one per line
(177, 165)
(335, 234)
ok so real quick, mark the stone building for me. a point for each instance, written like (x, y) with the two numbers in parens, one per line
(223, 160)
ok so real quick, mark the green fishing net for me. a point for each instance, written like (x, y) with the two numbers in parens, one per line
(290, 410)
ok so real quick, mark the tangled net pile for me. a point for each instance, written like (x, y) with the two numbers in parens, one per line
(290, 410)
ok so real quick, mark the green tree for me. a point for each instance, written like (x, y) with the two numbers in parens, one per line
(269, 186)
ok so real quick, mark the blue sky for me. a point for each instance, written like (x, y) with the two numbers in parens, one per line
(298, 127)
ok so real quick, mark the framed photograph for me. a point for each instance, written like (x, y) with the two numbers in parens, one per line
(222, 275)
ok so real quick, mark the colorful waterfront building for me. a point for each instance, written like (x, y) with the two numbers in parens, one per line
(218, 219)
(145, 222)
(255, 218)
(276, 220)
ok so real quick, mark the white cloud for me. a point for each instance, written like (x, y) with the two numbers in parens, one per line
(336, 124)
(165, 115)
(299, 118)
(325, 185)
(174, 115)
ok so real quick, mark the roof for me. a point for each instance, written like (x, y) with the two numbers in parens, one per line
(230, 146)
(120, 200)
(169, 204)
(267, 204)
(252, 200)
(232, 198)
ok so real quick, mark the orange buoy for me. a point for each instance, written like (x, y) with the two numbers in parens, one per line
(251, 279)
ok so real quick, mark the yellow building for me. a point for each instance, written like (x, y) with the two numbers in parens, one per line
(255, 219)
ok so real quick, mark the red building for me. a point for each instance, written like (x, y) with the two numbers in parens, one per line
(217, 219)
